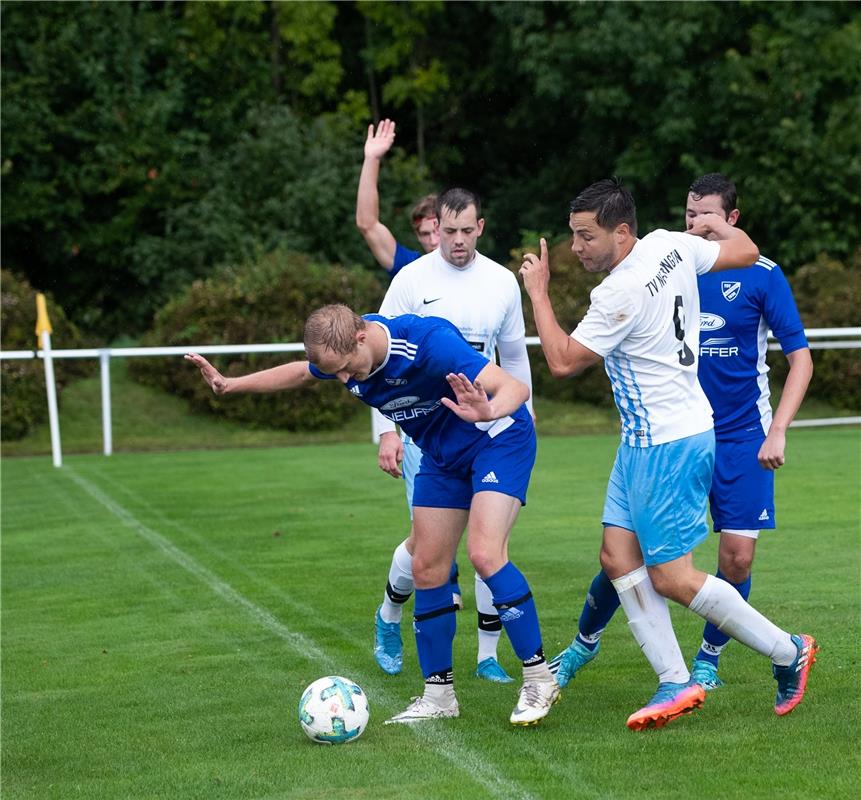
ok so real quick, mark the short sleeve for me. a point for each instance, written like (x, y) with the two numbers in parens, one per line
(319, 374)
(781, 313)
(610, 318)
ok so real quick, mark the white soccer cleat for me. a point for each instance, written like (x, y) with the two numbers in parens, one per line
(422, 708)
(536, 698)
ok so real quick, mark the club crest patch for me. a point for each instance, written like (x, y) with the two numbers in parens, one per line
(730, 289)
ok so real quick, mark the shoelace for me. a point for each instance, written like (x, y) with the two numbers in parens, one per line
(529, 695)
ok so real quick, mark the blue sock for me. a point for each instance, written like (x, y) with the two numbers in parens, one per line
(714, 640)
(434, 622)
(601, 603)
(513, 598)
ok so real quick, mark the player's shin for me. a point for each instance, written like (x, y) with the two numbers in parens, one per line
(649, 620)
(601, 603)
(719, 603)
(399, 586)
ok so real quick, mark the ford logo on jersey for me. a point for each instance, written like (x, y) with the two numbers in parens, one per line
(400, 402)
(711, 322)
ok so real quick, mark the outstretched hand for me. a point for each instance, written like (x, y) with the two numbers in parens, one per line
(217, 382)
(379, 142)
(472, 404)
(535, 270)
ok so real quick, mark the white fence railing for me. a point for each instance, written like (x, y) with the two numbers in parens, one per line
(819, 339)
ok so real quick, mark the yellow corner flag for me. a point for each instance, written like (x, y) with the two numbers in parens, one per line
(43, 324)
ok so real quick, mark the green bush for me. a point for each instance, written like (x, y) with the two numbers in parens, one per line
(260, 301)
(24, 403)
(828, 294)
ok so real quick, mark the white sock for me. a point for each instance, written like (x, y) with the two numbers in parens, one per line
(720, 603)
(487, 640)
(401, 580)
(538, 672)
(649, 620)
(441, 694)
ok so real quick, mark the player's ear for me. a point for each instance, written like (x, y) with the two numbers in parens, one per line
(732, 217)
(480, 226)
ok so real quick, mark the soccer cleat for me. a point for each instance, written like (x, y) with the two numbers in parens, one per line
(388, 648)
(792, 680)
(705, 674)
(670, 701)
(569, 661)
(421, 708)
(534, 702)
(491, 670)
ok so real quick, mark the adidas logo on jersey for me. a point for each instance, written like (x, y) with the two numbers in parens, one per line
(763, 515)
(356, 391)
(490, 478)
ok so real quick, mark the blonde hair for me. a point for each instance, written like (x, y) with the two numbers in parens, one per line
(334, 327)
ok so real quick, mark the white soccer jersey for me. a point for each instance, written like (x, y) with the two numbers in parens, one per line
(644, 320)
(481, 300)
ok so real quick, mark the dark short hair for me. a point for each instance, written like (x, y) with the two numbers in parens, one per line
(611, 202)
(424, 208)
(333, 327)
(458, 200)
(715, 183)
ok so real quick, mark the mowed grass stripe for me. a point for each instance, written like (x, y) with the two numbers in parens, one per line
(189, 700)
(445, 743)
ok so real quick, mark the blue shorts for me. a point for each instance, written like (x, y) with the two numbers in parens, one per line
(660, 493)
(410, 467)
(502, 464)
(742, 493)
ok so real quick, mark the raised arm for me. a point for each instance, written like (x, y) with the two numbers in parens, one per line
(378, 237)
(736, 247)
(565, 356)
(285, 376)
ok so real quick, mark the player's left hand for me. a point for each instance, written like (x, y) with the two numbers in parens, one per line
(535, 270)
(771, 454)
(472, 404)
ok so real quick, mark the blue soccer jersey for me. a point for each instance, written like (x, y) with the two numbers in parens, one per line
(408, 386)
(403, 256)
(737, 309)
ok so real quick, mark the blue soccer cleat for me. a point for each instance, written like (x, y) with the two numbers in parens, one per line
(491, 670)
(388, 648)
(705, 674)
(672, 700)
(792, 680)
(569, 661)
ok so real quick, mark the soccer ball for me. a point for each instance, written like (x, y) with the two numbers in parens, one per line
(333, 710)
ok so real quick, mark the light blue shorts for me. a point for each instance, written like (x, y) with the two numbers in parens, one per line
(661, 493)
(410, 467)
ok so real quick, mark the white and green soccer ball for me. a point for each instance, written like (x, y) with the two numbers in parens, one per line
(333, 710)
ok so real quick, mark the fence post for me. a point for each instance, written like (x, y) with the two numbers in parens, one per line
(107, 434)
(43, 334)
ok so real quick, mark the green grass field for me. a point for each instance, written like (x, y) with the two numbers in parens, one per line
(162, 612)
